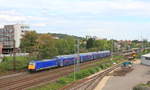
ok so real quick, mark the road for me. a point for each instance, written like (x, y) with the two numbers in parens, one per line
(140, 74)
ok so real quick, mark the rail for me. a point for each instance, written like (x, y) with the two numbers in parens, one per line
(89, 83)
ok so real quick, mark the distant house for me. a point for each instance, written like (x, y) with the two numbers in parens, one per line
(54, 37)
(145, 59)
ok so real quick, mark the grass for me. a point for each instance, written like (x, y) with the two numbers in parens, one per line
(61, 82)
(7, 64)
(142, 87)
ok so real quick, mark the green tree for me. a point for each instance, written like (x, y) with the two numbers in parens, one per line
(66, 46)
(90, 43)
(46, 46)
(28, 42)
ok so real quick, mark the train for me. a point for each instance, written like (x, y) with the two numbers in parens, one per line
(132, 53)
(66, 60)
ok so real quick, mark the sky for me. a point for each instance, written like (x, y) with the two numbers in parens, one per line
(118, 19)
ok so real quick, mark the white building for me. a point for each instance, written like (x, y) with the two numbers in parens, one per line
(145, 59)
(10, 34)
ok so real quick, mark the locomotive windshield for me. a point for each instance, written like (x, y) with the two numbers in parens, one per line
(31, 63)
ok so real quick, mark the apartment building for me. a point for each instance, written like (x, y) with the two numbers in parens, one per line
(10, 36)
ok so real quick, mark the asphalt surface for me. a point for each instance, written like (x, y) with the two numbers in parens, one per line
(140, 74)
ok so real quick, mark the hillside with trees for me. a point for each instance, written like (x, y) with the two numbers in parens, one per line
(48, 45)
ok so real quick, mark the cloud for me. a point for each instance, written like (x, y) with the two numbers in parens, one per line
(14, 17)
(117, 30)
(40, 24)
(106, 8)
(10, 12)
(36, 18)
(71, 7)
(120, 18)
(9, 18)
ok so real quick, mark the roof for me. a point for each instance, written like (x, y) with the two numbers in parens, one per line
(43, 60)
(146, 55)
(66, 56)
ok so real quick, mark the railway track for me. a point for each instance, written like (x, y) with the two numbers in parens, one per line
(25, 81)
(89, 83)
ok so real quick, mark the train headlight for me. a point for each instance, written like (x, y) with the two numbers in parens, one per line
(31, 67)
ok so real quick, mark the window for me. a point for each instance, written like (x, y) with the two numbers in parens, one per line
(147, 58)
(31, 63)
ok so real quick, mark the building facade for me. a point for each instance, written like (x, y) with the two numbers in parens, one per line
(10, 36)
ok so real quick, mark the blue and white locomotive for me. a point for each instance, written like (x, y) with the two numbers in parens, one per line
(66, 60)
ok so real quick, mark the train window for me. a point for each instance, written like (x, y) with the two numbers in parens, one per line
(31, 63)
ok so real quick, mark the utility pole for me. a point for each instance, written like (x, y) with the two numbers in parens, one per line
(78, 55)
(14, 55)
(142, 42)
(112, 50)
(77, 60)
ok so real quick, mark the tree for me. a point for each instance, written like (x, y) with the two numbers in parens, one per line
(46, 46)
(28, 42)
(90, 43)
(66, 46)
(102, 45)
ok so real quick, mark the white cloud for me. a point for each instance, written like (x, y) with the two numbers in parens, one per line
(14, 17)
(10, 12)
(70, 15)
(40, 24)
(36, 18)
(114, 7)
(9, 18)
(119, 30)
(102, 7)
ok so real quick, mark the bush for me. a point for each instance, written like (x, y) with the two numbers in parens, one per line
(85, 73)
(103, 66)
(21, 63)
(141, 88)
(65, 80)
(91, 71)
(96, 69)
(78, 75)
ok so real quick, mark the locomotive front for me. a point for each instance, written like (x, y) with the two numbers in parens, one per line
(31, 66)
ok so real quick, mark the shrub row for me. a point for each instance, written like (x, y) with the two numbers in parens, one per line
(7, 63)
(142, 87)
